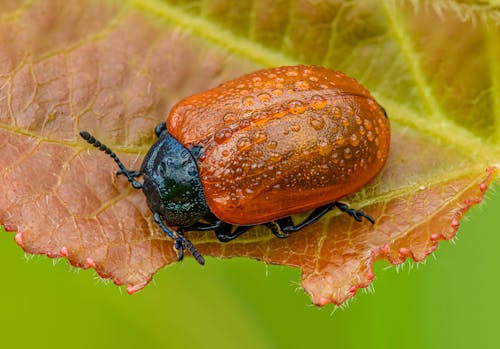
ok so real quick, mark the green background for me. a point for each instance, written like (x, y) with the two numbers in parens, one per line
(452, 300)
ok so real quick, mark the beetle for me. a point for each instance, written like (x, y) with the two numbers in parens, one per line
(257, 150)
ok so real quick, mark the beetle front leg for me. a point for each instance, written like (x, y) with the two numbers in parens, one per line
(181, 242)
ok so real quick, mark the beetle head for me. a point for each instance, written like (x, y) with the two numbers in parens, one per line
(171, 183)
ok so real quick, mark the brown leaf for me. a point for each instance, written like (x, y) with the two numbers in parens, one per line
(115, 70)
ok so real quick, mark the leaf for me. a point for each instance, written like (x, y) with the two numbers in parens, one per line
(116, 69)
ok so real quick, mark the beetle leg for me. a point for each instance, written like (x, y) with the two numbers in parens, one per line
(160, 128)
(286, 225)
(356, 214)
(276, 230)
(181, 242)
(131, 173)
(200, 226)
(223, 233)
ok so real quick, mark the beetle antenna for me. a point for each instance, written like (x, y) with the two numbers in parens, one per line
(103, 147)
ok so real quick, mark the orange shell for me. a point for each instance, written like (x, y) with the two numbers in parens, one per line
(282, 141)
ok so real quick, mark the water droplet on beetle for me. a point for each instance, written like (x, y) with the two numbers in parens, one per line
(301, 85)
(275, 157)
(259, 137)
(272, 145)
(295, 127)
(337, 112)
(318, 102)
(347, 153)
(354, 140)
(264, 97)
(247, 101)
(370, 136)
(223, 135)
(229, 117)
(317, 122)
(244, 144)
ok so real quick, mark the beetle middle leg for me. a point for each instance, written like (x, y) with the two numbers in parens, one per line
(286, 224)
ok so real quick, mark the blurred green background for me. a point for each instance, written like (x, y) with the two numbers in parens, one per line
(450, 301)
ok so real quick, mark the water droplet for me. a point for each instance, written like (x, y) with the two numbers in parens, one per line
(335, 158)
(317, 122)
(347, 153)
(323, 86)
(276, 186)
(244, 123)
(223, 135)
(244, 92)
(324, 147)
(229, 118)
(291, 73)
(313, 78)
(370, 136)
(340, 141)
(362, 130)
(277, 92)
(259, 137)
(307, 71)
(271, 75)
(244, 144)
(295, 127)
(345, 122)
(318, 102)
(275, 157)
(240, 86)
(368, 124)
(354, 140)
(256, 79)
(337, 112)
(248, 191)
(264, 97)
(247, 101)
(358, 119)
(272, 145)
(349, 110)
(301, 85)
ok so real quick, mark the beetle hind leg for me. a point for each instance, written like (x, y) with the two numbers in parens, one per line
(286, 224)
(356, 214)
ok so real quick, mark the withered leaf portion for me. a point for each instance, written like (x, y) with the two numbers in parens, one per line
(115, 70)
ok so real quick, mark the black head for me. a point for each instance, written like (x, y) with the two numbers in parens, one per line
(171, 183)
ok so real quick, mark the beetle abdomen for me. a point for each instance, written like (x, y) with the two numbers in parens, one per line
(282, 141)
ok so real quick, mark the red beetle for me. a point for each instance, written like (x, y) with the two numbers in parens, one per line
(258, 149)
